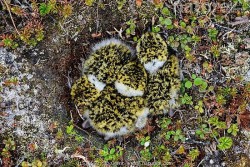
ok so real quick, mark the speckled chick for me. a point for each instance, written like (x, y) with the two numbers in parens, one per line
(106, 60)
(152, 51)
(163, 87)
(132, 79)
(84, 93)
(113, 114)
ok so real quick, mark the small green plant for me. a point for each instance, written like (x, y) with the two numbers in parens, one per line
(89, 2)
(187, 165)
(225, 143)
(233, 129)
(73, 133)
(34, 163)
(166, 22)
(165, 11)
(176, 135)
(245, 4)
(44, 8)
(8, 41)
(113, 154)
(120, 3)
(197, 81)
(193, 154)
(215, 51)
(186, 99)
(223, 95)
(9, 145)
(202, 131)
(199, 106)
(214, 121)
(188, 84)
(165, 122)
(220, 99)
(162, 153)
(201, 83)
(145, 141)
(131, 29)
(146, 154)
(182, 24)
(212, 33)
(207, 66)
(156, 29)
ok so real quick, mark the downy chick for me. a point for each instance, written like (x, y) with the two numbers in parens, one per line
(113, 114)
(163, 87)
(132, 80)
(106, 60)
(152, 51)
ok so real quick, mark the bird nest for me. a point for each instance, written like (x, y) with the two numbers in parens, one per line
(119, 89)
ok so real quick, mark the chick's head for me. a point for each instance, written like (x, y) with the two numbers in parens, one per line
(107, 59)
(83, 92)
(163, 87)
(152, 51)
(131, 80)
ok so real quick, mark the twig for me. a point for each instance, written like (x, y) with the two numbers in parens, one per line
(119, 32)
(227, 28)
(243, 21)
(8, 8)
(223, 36)
(83, 158)
(97, 19)
(201, 162)
(79, 128)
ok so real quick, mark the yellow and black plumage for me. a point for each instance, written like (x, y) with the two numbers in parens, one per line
(83, 92)
(117, 91)
(152, 51)
(105, 62)
(113, 114)
(163, 87)
(132, 79)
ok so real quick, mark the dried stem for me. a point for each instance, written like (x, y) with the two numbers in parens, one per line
(8, 8)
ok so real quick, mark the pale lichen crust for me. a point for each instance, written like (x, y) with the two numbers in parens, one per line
(132, 80)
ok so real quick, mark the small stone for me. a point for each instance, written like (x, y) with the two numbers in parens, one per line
(211, 161)
(80, 17)
(223, 164)
(9, 59)
(2, 105)
(146, 144)
(21, 106)
(247, 42)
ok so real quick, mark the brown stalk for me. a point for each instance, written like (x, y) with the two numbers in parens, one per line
(8, 8)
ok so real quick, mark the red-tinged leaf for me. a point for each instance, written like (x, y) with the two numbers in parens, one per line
(244, 120)
(9, 83)
(53, 126)
(150, 128)
(138, 2)
(1, 44)
(228, 121)
(32, 147)
(157, 1)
